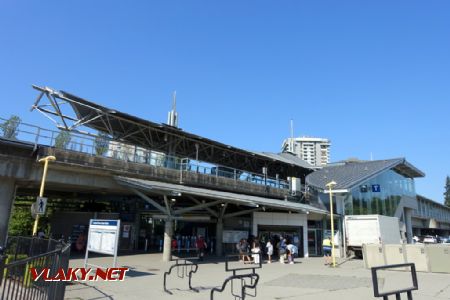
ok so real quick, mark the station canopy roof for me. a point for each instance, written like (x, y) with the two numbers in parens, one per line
(171, 140)
(227, 197)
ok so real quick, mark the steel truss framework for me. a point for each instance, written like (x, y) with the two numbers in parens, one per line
(129, 129)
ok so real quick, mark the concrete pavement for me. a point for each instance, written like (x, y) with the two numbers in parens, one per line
(307, 279)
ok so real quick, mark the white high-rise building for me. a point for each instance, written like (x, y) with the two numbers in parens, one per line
(315, 151)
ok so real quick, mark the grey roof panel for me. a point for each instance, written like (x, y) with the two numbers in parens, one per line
(287, 158)
(350, 174)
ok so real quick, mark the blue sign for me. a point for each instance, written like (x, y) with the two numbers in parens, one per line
(376, 188)
(104, 222)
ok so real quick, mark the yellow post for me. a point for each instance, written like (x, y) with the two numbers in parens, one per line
(330, 185)
(41, 192)
(5, 272)
(27, 275)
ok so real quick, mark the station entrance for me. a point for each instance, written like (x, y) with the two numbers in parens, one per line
(293, 234)
(185, 234)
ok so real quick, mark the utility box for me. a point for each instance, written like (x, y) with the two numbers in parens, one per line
(295, 186)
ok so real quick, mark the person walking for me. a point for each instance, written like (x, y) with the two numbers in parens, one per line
(269, 249)
(326, 247)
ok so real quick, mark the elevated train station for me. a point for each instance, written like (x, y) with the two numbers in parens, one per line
(162, 182)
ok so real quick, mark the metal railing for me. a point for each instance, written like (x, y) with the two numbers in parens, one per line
(106, 147)
(23, 259)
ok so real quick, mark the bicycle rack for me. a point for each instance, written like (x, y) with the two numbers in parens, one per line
(244, 286)
(253, 277)
(397, 293)
(185, 269)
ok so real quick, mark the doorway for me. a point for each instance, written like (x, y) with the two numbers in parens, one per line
(294, 234)
(315, 242)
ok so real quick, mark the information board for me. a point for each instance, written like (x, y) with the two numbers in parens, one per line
(103, 237)
(234, 236)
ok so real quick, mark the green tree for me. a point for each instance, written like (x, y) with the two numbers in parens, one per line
(21, 222)
(101, 143)
(62, 140)
(447, 191)
(10, 126)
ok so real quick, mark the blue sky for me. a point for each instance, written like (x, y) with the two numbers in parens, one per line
(372, 76)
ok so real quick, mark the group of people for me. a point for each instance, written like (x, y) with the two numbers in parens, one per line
(249, 254)
(285, 249)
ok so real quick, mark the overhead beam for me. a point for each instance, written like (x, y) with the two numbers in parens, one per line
(222, 211)
(182, 218)
(240, 213)
(197, 207)
(214, 213)
(166, 202)
(151, 201)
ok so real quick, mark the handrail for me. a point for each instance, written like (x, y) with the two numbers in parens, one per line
(87, 143)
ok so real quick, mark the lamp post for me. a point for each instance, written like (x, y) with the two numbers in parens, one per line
(41, 192)
(330, 186)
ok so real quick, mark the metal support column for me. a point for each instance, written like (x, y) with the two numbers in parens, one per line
(219, 233)
(168, 232)
(408, 225)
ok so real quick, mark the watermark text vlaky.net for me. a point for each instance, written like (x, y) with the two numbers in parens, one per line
(79, 274)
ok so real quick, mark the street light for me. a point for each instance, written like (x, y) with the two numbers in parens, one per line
(41, 192)
(330, 186)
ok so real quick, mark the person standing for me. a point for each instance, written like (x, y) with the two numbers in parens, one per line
(256, 253)
(290, 252)
(282, 249)
(201, 246)
(245, 249)
(239, 249)
(269, 249)
(326, 247)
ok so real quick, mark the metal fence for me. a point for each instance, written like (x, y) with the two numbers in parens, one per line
(106, 147)
(25, 257)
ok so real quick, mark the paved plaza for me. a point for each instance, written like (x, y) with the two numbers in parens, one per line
(307, 279)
